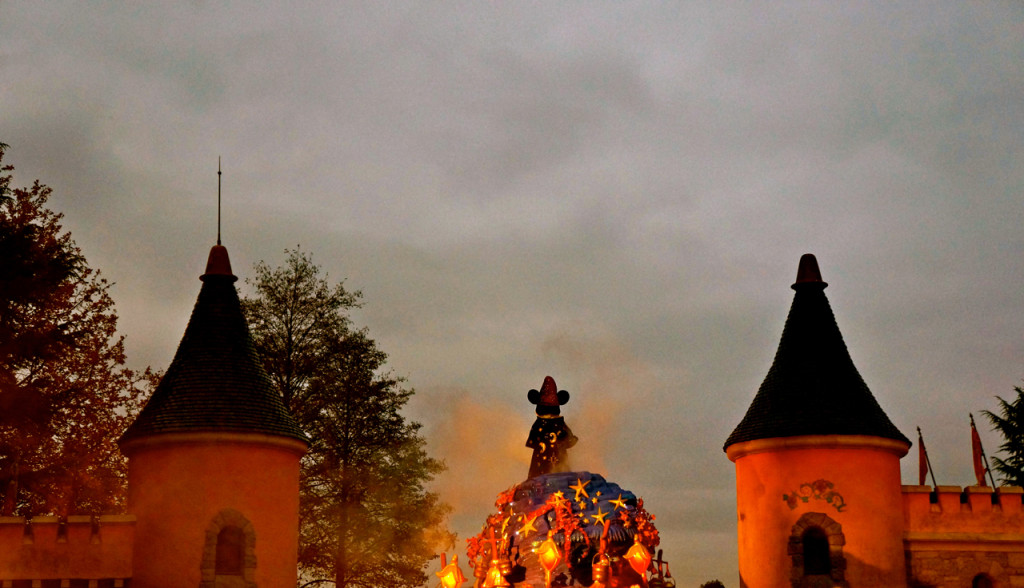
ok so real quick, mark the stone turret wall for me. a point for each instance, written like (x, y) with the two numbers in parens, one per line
(79, 548)
(953, 535)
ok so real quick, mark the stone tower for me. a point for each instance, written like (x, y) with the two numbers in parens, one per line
(213, 470)
(817, 463)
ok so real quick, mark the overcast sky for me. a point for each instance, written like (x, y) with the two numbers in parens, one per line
(614, 194)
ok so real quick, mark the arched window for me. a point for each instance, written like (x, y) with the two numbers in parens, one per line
(230, 551)
(982, 581)
(816, 550)
(816, 555)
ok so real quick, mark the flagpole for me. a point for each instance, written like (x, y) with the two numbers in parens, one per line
(983, 456)
(927, 459)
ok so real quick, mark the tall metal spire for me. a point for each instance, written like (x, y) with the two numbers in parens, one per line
(218, 200)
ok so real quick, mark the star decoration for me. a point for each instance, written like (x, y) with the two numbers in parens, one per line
(558, 498)
(618, 502)
(599, 517)
(528, 525)
(579, 488)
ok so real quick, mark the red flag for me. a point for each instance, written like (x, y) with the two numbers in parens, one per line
(922, 460)
(979, 464)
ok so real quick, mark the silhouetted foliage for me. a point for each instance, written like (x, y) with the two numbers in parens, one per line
(65, 395)
(1010, 424)
(366, 518)
(712, 584)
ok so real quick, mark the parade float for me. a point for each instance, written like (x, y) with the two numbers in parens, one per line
(562, 528)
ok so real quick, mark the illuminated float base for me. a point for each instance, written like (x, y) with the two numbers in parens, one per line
(573, 504)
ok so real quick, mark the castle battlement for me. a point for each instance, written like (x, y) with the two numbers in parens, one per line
(954, 535)
(974, 510)
(97, 549)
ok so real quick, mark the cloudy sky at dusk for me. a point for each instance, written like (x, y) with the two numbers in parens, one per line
(615, 194)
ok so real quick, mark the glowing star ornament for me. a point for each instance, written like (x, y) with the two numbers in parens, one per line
(599, 517)
(618, 502)
(528, 525)
(451, 575)
(557, 499)
(580, 489)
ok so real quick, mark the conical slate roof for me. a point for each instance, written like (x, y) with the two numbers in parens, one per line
(813, 387)
(216, 382)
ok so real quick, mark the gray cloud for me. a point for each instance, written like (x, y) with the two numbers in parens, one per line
(524, 189)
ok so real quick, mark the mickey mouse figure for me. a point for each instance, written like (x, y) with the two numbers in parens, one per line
(550, 437)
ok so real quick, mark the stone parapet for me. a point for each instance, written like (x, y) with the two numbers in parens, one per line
(952, 509)
(95, 549)
(953, 535)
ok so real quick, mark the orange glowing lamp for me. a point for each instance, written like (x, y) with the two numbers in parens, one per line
(548, 555)
(494, 578)
(638, 557)
(602, 565)
(451, 575)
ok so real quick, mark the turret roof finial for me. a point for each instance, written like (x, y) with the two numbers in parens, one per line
(218, 263)
(218, 200)
(808, 273)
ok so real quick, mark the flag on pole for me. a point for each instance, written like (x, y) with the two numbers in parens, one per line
(922, 459)
(977, 451)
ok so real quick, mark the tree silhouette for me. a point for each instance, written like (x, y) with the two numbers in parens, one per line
(65, 395)
(1010, 424)
(366, 518)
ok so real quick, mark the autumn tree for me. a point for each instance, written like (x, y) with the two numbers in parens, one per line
(65, 395)
(1009, 422)
(366, 517)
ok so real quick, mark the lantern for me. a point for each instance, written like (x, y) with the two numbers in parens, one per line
(451, 575)
(548, 556)
(494, 577)
(505, 566)
(480, 571)
(601, 568)
(669, 581)
(638, 557)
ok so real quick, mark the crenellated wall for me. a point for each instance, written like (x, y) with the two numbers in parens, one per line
(79, 551)
(954, 534)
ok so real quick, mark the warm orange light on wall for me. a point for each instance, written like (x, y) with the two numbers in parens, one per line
(451, 576)
(638, 557)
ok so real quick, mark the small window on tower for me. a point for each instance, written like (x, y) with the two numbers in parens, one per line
(230, 551)
(817, 560)
(982, 581)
